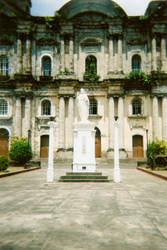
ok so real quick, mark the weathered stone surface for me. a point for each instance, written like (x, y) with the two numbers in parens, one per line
(129, 215)
(45, 59)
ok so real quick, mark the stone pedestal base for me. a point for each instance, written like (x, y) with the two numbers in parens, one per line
(84, 147)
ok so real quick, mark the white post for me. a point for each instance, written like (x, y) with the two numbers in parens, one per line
(117, 178)
(50, 170)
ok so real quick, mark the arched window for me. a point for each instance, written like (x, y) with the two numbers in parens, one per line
(3, 107)
(4, 66)
(136, 63)
(46, 107)
(46, 66)
(93, 106)
(136, 106)
(91, 65)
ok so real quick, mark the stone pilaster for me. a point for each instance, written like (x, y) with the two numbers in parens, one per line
(27, 116)
(116, 55)
(111, 122)
(19, 56)
(164, 118)
(71, 54)
(121, 121)
(155, 117)
(111, 55)
(163, 55)
(18, 118)
(70, 121)
(62, 55)
(28, 48)
(154, 55)
(61, 122)
(120, 58)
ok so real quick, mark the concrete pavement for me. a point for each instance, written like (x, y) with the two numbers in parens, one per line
(131, 215)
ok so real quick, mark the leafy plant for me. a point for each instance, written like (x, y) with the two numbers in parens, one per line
(4, 163)
(91, 70)
(140, 76)
(92, 77)
(155, 148)
(20, 151)
(66, 71)
(143, 17)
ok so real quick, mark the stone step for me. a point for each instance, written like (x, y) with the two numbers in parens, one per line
(84, 177)
(83, 180)
(84, 173)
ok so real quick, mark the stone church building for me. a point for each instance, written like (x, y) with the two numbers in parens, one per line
(120, 60)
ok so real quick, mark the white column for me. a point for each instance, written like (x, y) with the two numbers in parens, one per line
(121, 121)
(70, 121)
(18, 118)
(71, 55)
(111, 54)
(28, 47)
(120, 54)
(27, 116)
(117, 178)
(111, 123)
(50, 170)
(164, 118)
(155, 117)
(154, 55)
(61, 122)
(19, 56)
(163, 54)
(116, 56)
(62, 56)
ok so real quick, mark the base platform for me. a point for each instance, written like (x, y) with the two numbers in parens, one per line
(84, 177)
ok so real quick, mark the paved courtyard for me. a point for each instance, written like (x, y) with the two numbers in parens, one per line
(131, 215)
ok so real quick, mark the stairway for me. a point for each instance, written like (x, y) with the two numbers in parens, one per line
(84, 177)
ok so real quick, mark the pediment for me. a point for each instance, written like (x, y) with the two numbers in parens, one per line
(89, 18)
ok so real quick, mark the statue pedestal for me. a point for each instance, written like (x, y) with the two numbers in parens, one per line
(84, 147)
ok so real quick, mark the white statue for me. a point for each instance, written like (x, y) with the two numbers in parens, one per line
(83, 105)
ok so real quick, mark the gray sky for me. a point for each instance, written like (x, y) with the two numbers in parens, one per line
(47, 7)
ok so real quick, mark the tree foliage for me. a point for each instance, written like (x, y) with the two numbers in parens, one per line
(20, 151)
(155, 148)
(4, 163)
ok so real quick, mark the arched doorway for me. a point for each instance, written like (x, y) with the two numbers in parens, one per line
(46, 66)
(138, 146)
(44, 146)
(97, 143)
(4, 142)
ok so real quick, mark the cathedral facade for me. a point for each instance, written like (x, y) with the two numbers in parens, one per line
(120, 61)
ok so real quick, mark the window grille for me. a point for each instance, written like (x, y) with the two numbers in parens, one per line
(136, 63)
(4, 66)
(3, 107)
(46, 108)
(92, 106)
(46, 66)
(136, 107)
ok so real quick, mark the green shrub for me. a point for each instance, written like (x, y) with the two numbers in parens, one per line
(4, 163)
(155, 148)
(20, 151)
(140, 76)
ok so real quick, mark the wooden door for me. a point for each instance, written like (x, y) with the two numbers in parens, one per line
(98, 146)
(4, 141)
(44, 146)
(138, 146)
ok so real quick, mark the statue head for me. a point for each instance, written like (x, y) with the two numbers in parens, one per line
(82, 91)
